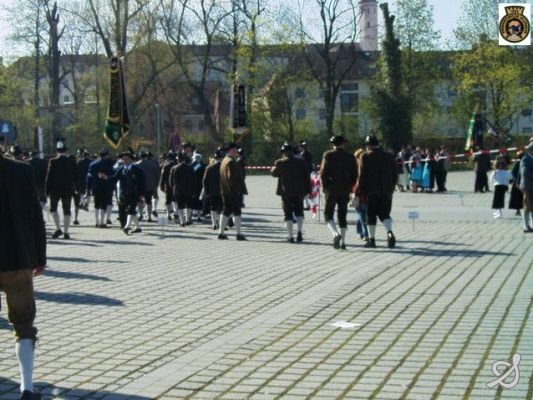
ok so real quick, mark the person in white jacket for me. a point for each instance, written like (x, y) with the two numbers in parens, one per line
(500, 178)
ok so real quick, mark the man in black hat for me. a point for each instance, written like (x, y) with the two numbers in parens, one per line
(82, 168)
(376, 182)
(61, 185)
(183, 184)
(23, 250)
(338, 174)
(293, 184)
(211, 185)
(164, 185)
(151, 181)
(130, 191)
(232, 188)
(101, 188)
(305, 155)
(39, 167)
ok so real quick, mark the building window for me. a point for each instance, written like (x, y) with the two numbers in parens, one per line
(349, 87)
(187, 125)
(201, 125)
(322, 113)
(299, 93)
(526, 112)
(300, 113)
(67, 100)
(527, 129)
(349, 102)
(65, 83)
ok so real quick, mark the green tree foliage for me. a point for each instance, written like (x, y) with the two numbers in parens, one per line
(493, 77)
(391, 105)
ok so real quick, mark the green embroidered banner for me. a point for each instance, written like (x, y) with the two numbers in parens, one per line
(117, 125)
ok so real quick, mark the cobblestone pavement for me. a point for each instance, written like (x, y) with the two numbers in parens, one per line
(177, 314)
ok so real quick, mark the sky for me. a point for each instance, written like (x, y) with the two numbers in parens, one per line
(445, 12)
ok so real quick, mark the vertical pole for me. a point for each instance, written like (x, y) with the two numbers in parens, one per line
(158, 116)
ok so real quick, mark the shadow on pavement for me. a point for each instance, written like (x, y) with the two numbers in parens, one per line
(10, 389)
(73, 275)
(78, 298)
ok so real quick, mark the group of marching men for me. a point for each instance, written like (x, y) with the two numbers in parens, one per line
(192, 188)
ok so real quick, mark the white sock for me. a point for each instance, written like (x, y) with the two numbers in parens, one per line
(371, 231)
(136, 221)
(55, 217)
(343, 235)
(156, 202)
(525, 218)
(140, 207)
(214, 218)
(97, 216)
(149, 210)
(289, 225)
(189, 214)
(169, 210)
(108, 211)
(332, 227)
(102, 217)
(388, 224)
(223, 223)
(128, 221)
(300, 223)
(181, 213)
(66, 222)
(24, 350)
(237, 222)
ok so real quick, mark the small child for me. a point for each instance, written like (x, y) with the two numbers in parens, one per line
(315, 193)
(500, 178)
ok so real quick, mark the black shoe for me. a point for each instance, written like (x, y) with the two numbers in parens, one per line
(337, 241)
(27, 395)
(189, 222)
(141, 217)
(240, 237)
(221, 236)
(199, 219)
(108, 222)
(76, 222)
(57, 233)
(150, 219)
(183, 225)
(528, 230)
(307, 208)
(299, 237)
(154, 213)
(103, 226)
(66, 236)
(290, 240)
(126, 231)
(137, 230)
(343, 246)
(371, 243)
(391, 240)
(215, 227)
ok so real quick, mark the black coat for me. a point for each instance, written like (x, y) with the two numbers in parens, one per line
(211, 180)
(61, 176)
(22, 232)
(182, 180)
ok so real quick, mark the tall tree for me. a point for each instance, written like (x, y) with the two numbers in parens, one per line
(392, 104)
(494, 78)
(415, 30)
(479, 19)
(332, 55)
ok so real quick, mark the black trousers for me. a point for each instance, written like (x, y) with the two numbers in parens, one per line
(379, 206)
(341, 202)
(231, 204)
(66, 201)
(482, 182)
(292, 205)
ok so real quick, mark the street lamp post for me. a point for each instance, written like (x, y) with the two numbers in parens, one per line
(158, 129)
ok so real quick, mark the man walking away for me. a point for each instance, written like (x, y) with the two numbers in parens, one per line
(338, 174)
(23, 249)
(377, 177)
(293, 184)
(232, 188)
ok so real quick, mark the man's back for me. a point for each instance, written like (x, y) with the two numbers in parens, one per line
(22, 237)
(377, 173)
(338, 171)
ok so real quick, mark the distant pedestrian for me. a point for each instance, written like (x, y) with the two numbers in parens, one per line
(183, 183)
(23, 250)
(211, 188)
(516, 199)
(293, 184)
(61, 186)
(82, 168)
(232, 189)
(500, 178)
(338, 175)
(525, 184)
(377, 177)
(164, 185)
(100, 188)
(482, 166)
(39, 167)
(151, 181)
